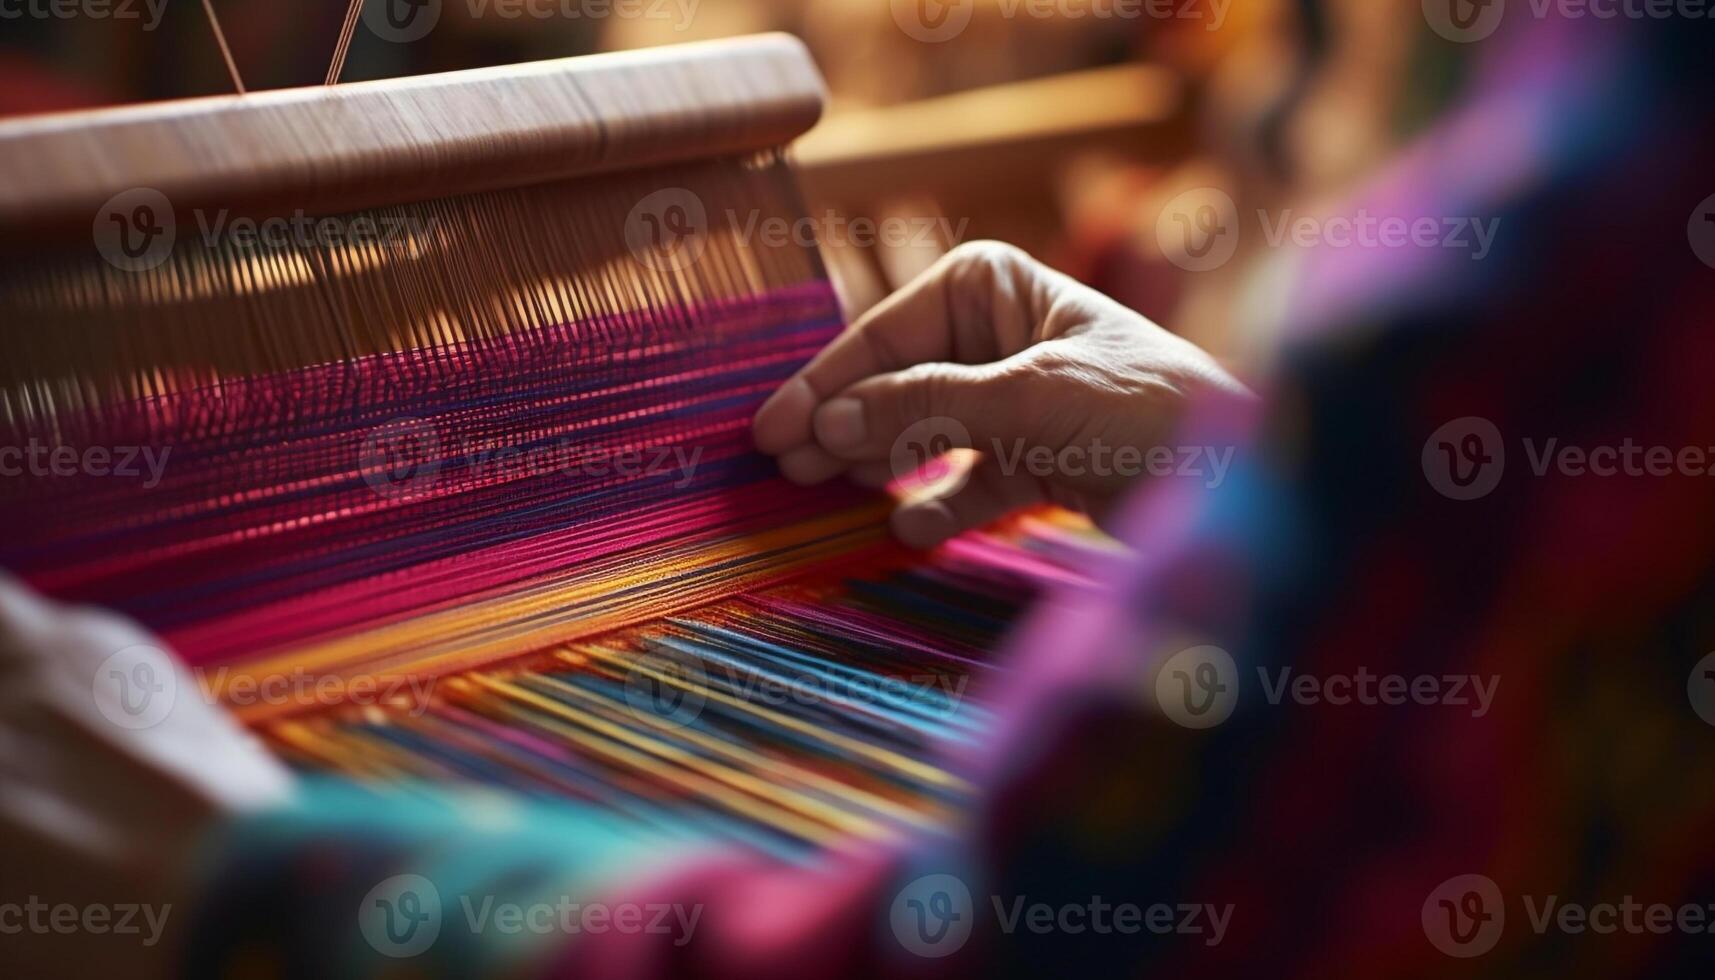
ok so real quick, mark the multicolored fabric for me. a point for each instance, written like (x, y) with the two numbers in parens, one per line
(1418, 690)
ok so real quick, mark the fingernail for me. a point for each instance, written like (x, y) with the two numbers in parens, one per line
(781, 422)
(840, 424)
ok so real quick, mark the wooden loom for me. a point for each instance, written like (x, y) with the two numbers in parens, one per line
(394, 453)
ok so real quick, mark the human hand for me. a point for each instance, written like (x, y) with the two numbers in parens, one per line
(1019, 358)
(101, 802)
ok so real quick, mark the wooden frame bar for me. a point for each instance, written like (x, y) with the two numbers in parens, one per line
(332, 149)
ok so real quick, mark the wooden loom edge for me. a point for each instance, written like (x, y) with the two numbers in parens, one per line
(330, 149)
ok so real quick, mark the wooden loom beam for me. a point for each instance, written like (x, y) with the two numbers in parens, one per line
(330, 149)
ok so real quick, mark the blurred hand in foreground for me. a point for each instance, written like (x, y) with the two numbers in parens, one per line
(113, 765)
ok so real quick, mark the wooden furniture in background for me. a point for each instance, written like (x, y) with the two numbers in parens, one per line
(986, 160)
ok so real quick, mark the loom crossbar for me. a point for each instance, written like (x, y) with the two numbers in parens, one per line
(331, 149)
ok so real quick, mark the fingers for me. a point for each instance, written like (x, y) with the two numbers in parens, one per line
(987, 496)
(974, 306)
(866, 421)
(909, 327)
(783, 422)
(947, 362)
(809, 465)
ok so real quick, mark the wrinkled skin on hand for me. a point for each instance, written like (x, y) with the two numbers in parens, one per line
(1022, 357)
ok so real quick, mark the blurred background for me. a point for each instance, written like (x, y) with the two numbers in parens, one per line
(1064, 126)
